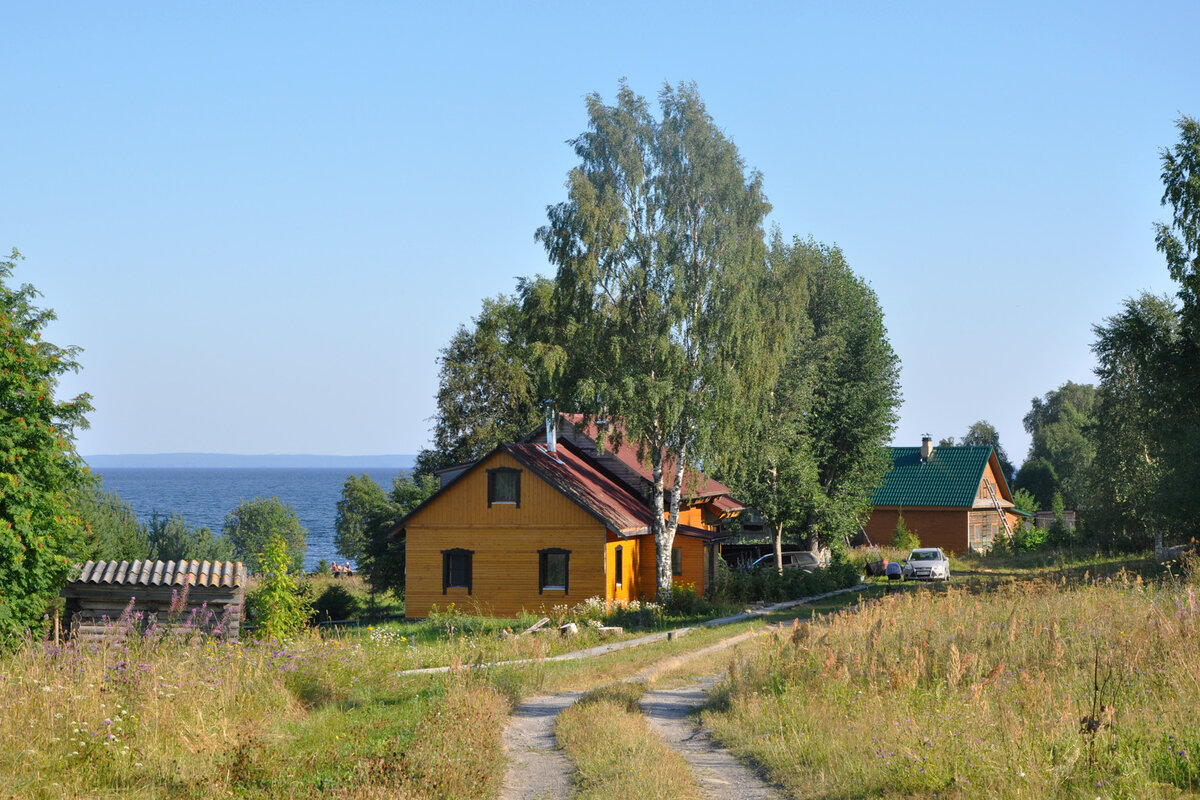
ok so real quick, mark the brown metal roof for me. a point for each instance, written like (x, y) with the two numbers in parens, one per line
(696, 484)
(594, 490)
(210, 574)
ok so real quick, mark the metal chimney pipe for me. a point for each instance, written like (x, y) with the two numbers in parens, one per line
(551, 428)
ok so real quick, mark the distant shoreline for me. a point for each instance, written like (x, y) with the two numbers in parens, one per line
(236, 461)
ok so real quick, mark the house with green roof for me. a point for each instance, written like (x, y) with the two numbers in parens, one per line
(952, 497)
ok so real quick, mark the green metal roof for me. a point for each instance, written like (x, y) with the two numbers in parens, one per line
(950, 477)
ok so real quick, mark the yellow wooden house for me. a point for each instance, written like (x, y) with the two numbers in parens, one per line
(542, 523)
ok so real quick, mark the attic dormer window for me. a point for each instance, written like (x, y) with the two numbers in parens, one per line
(504, 486)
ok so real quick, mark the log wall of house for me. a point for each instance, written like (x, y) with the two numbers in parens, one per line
(935, 527)
(505, 539)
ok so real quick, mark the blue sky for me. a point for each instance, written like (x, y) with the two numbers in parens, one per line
(261, 221)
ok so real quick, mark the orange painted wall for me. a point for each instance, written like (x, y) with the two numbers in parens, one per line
(935, 527)
(692, 555)
(506, 540)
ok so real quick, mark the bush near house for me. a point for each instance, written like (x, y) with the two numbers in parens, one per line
(745, 587)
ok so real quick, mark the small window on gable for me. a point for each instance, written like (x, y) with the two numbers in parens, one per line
(456, 569)
(676, 561)
(554, 569)
(504, 486)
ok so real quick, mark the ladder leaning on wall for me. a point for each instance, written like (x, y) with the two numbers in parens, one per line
(999, 508)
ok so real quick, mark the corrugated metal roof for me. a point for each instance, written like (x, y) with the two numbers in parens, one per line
(214, 574)
(593, 490)
(950, 477)
(696, 484)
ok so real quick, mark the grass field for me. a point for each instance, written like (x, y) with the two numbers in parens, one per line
(1042, 688)
(1017, 680)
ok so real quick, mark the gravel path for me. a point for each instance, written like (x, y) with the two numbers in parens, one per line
(537, 770)
(720, 775)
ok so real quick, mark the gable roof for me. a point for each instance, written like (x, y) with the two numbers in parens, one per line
(577, 477)
(573, 475)
(950, 477)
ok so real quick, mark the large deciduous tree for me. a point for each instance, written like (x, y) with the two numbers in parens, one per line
(984, 433)
(41, 533)
(1062, 448)
(811, 457)
(659, 248)
(251, 526)
(1134, 350)
(494, 377)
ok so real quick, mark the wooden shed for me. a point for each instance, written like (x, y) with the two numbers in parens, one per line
(161, 595)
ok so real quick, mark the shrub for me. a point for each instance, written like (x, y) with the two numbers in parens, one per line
(337, 602)
(1028, 538)
(903, 537)
(280, 607)
(686, 602)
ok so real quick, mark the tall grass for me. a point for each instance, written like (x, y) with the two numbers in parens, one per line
(1036, 689)
(204, 718)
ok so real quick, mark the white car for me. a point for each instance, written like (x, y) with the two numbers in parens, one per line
(927, 564)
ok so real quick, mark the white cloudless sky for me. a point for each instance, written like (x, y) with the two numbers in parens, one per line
(261, 221)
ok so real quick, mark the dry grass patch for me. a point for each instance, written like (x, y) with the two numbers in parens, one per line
(213, 719)
(1032, 690)
(615, 751)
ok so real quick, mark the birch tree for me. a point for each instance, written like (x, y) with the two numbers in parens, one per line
(659, 251)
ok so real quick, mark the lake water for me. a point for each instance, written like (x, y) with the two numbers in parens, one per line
(205, 496)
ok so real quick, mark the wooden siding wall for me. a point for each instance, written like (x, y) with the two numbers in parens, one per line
(505, 540)
(692, 553)
(935, 527)
(989, 474)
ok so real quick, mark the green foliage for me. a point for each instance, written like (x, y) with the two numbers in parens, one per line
(659, 250)
(902, 537)
(984, 433)
(173, 538)
(810, 458)
(382, 560)
(1023, 500)
(361, 509)
(735, 587)
(492, 379)
(1135, 350)
(41, 475)
(279, 607)
(1027, 539)
(1179, 240)
(336, 602)
(1062, 448)
(1147, 428)
(254, 523)
(112, 525)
